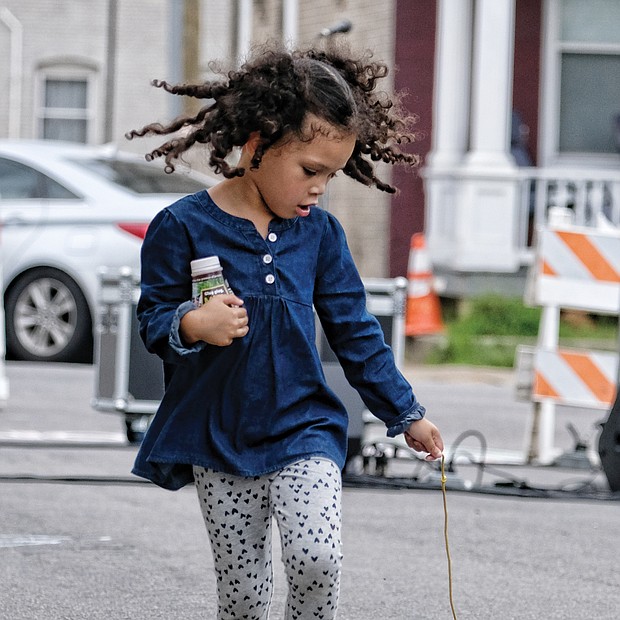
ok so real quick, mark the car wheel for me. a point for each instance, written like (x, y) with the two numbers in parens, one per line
(47, 318)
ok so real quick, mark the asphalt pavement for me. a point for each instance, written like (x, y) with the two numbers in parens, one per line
(81, 538)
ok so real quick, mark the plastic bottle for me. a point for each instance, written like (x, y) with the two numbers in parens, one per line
(207, 279)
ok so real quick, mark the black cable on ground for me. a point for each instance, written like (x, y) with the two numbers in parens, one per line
(86, 480)
(359, 481)
(483, 452)
(575, 488)
(517, 489)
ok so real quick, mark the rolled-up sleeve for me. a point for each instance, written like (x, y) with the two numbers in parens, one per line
(175, 340)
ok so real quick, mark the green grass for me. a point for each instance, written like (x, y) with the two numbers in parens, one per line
(488, 332)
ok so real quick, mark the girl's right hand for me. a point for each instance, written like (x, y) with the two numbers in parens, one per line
(216, 322)
(423, 436)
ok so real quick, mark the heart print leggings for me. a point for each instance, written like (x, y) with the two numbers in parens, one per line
(305, 499)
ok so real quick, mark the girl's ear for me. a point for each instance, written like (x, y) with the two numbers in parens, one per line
(251, 145)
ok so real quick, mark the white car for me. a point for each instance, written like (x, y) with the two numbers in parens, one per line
(67, 210)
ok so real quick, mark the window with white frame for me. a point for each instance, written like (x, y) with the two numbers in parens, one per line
(588, 55)
(65, 109)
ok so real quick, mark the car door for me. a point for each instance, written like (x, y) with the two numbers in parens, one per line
(26, 199)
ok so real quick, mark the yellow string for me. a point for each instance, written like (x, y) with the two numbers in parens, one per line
(444, 479)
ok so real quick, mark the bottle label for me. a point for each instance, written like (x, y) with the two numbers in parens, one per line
(206, 286)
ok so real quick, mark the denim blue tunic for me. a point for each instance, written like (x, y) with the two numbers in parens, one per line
(262, 402)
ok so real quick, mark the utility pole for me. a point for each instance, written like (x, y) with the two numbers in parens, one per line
(191, 51)
(110, 77)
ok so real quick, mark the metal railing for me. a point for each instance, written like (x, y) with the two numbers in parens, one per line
(592, 196)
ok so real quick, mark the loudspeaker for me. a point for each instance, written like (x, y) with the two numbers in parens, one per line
(609, 445)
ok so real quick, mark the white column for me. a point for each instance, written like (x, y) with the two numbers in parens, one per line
(290, 22)
(492, 84)
(450, 127)
(245, 21)
(452, 83)
(485, 216)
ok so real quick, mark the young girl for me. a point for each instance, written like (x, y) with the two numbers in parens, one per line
(247, 414)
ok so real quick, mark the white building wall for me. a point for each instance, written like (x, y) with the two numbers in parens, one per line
(52, 33)
(217, 23)
(6, 18)
(74, 34)
(143, 54)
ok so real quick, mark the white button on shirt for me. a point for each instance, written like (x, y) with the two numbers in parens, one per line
(272, 236)
(270, 278)
(267, 258)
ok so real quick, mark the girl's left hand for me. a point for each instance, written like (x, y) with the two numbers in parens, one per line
(424, 436)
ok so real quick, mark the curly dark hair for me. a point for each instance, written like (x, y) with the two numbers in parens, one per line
(272, 94)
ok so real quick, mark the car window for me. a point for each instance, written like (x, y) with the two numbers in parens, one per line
(142, 178)
(20, 182)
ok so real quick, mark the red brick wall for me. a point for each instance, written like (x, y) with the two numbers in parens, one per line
(414, 60)
(526, 82)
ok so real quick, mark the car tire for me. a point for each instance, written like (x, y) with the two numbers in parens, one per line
(48, 318)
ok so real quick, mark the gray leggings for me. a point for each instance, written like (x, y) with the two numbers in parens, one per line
(305, 499)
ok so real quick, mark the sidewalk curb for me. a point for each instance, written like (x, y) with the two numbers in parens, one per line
(447, 373)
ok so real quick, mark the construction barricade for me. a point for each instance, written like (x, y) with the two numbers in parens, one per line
(576, 268)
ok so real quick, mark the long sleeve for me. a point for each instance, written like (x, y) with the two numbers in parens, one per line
(356, 336)
(165, 288)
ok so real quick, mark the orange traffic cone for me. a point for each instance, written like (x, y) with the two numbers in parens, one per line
(423, 308)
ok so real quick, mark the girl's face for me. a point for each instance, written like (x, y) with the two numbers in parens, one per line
(293, 175)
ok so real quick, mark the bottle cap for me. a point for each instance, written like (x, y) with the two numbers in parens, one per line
(205, 265)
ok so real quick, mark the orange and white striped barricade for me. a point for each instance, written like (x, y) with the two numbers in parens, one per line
(577, 378)
(576, 268)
